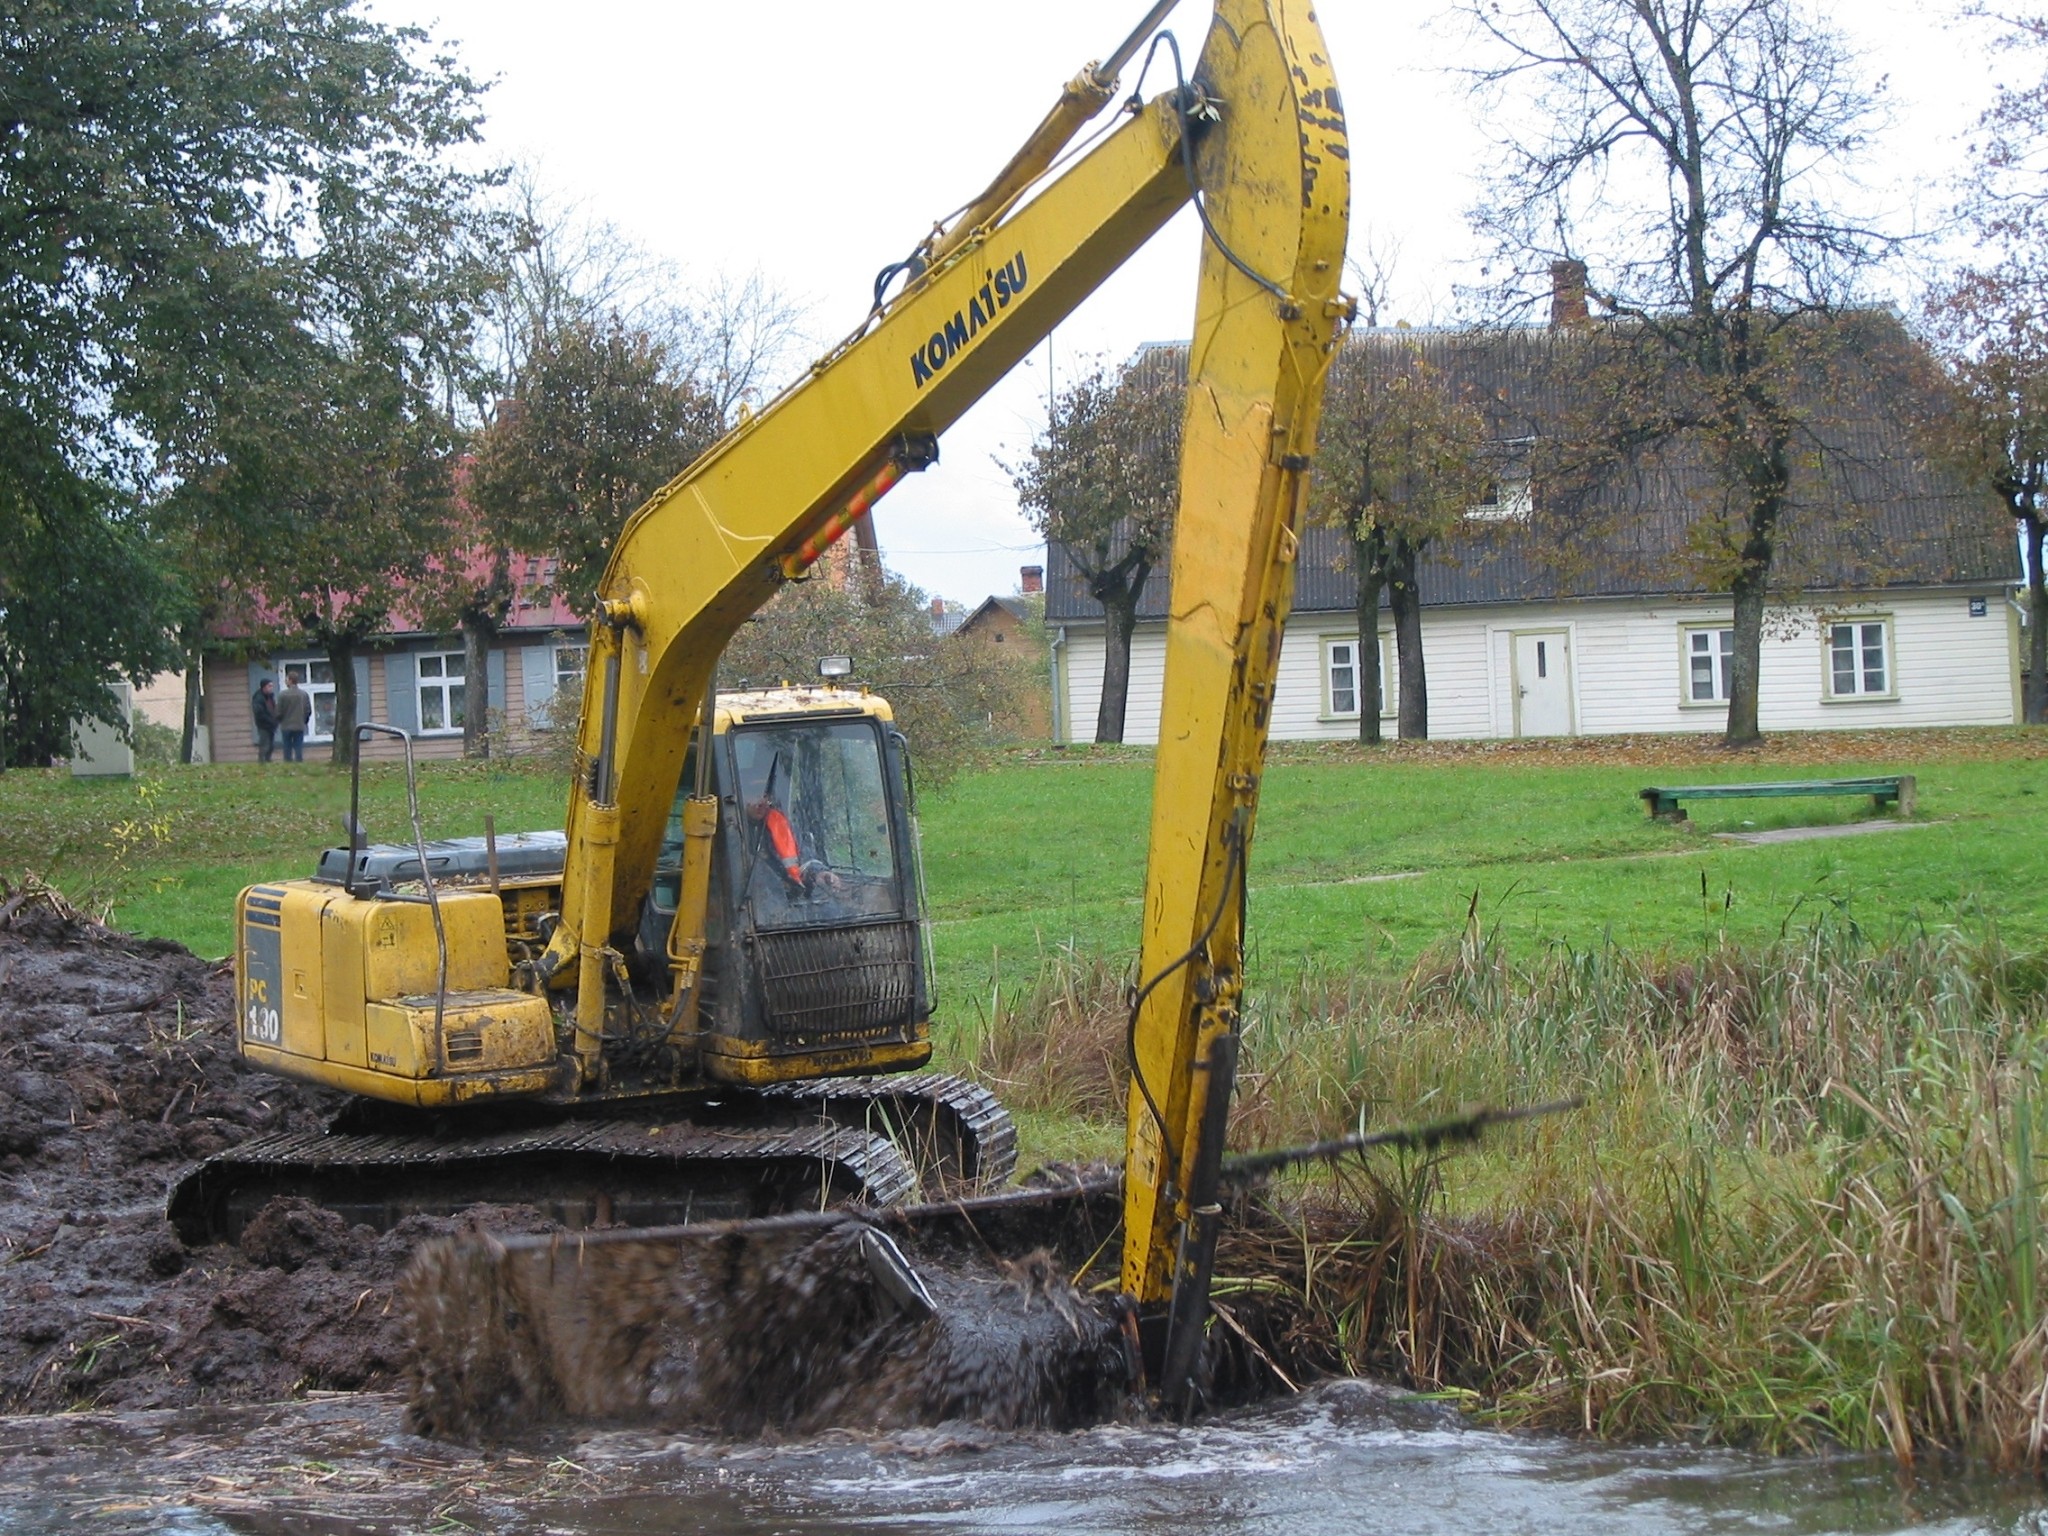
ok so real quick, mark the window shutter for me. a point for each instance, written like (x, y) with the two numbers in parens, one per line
(539, 670)
(361, 667)
(494, 674)
(401, 691)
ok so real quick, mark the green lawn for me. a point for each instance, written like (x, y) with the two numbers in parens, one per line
(1361, 859)
(1365, 863)
(169, 849)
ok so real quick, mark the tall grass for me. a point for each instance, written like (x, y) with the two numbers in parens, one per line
(1803, 1205)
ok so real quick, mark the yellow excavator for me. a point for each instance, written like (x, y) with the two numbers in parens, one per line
(645, 1015)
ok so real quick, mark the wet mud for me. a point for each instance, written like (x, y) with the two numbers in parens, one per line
(784, 1328)
(117, 1071)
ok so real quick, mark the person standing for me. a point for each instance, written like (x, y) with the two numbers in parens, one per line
(294, 712)
(263, 706)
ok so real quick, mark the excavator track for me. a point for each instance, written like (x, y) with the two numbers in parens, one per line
(960, 1138)
(735, 1154)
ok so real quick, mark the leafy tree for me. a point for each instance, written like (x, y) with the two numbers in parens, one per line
(1991, 323)
(1104, 480)
(79, 598)
(1690, 144)
(943, 695)
(608, 392)
(174, 170)
(1401, 458)
(334, 480)
(604, 416)
(1993, 330)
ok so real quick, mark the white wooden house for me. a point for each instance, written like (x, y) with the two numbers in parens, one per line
(1904, 617)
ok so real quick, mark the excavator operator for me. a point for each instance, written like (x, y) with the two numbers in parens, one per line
(778, 854)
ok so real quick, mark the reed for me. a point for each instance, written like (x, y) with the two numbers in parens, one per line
(1803, 1205)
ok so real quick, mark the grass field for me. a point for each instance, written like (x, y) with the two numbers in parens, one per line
(1365, 860)
(1362, 859)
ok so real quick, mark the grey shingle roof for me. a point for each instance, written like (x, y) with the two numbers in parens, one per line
(1915, 523)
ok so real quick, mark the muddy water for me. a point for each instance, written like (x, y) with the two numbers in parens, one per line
(1346, 1458)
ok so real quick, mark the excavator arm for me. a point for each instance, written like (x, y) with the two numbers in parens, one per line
(1259, 129)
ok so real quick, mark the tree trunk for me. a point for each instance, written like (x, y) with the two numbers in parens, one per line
(194, 679)
(341, 656)
(1406, 601)
(1743, 665)
(1120, 617)
(1368, 554)
(1766, 473)
(477, 631)
(2036, 703)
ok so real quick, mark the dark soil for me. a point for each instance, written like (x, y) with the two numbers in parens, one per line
(118, 1070)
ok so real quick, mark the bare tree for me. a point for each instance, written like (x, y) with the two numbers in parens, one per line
(735, 339)
(1695, 151)
(1103, 479)
(1372, 275)
(2006, 198)
(564, 267)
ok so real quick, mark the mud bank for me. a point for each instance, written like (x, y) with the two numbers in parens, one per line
(117, 1071)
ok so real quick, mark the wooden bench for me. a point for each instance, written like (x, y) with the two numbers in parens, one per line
(1892, 789)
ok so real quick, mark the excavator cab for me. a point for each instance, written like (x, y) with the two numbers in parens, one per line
(814, 921)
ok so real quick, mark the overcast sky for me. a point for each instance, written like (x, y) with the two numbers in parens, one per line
(816, 140)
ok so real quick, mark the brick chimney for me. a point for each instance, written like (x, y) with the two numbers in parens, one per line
(1030, 579)
(938, 607)
(1568, 294)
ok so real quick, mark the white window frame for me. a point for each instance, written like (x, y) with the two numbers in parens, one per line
(439, 683)
(314, 735)
(581, 648)
(1861, 624)
(1388, 695)
(1513, 502)
(1724, 664)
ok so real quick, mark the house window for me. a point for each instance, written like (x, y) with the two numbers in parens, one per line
(1341, 679)
(1860, 659)
(440, 684)
(1709, 660)
(570, 660)
(1505, 500)
(316, 676)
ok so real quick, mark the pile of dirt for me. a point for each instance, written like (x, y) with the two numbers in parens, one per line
(118, 1070)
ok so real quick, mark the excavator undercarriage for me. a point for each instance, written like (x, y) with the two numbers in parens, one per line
(647, 1162)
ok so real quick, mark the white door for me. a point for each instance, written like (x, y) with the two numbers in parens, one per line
(1543, 683)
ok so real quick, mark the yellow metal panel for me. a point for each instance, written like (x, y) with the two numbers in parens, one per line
(396, 1045)
(487, 1032)
(344, 964)
(1278, 165)
(401, 957)
(755, 1063)
(426, 1093)
(305, 969)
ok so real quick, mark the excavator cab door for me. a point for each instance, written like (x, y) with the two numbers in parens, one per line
(815, 961)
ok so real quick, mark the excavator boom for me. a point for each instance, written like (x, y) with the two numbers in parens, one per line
(1255, 136)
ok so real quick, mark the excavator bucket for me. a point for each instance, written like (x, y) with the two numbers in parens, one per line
(975, 1309)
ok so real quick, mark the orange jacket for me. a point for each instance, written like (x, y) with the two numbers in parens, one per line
(783, 837)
